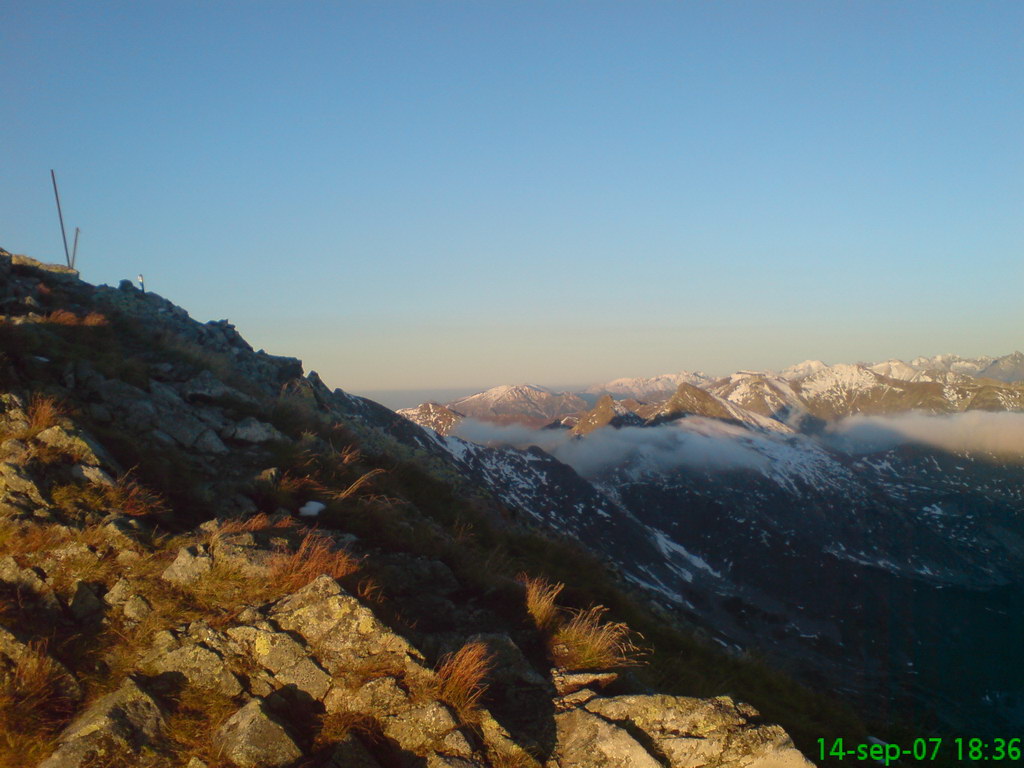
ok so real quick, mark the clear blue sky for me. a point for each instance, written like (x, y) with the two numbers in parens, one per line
(448, 194)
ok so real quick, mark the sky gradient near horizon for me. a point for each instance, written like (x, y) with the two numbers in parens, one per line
(457, 195)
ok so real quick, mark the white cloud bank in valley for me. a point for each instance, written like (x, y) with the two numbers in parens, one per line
(999, 433)
(709, 444)
(694, 442)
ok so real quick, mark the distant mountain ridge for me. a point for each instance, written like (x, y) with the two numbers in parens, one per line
(802, 396)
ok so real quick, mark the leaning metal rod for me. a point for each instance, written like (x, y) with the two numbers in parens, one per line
(74, 248)
(60, 216)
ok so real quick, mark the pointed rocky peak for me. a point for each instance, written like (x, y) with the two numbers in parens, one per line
(606, 412)
(689, 400)
(435, 416)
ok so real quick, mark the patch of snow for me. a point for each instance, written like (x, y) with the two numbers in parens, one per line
(311, 509)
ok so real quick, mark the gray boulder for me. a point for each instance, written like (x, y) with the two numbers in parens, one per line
(86, 605)
(251, 738)
(285, 658)
(588, 741)
(344, 631)
(201, 666)
(191, 564)
(690, 731)
(110, 732)
(74, 443)
(250, 430)
(426, 728)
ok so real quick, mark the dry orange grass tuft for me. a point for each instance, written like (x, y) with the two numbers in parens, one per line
(336, 726)
(355, 486)
(70, 319)
(130, 497)
(513, 759)
(43, 412)
(540, 601)
(258, 522)
(195, 714)
(369, 591)
(35, 702)
(62, 317)
(18, 538)
(316, 555)
(586, 641)
(460, 677)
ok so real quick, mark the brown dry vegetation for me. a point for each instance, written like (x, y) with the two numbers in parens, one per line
(19, 538)
(512, 760)
(126, 496)
(578, 639)
(70, 319)
(43, 412)
(316, 555)
(336, 726)
(195, 716)
(461, 675)
(587, 641)
(34, 705)
(540, 601)
(258, 522)
(359, 482)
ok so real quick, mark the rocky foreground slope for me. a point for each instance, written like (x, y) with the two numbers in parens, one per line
(209, 559)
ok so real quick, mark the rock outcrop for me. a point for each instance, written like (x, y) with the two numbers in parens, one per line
(166, 603)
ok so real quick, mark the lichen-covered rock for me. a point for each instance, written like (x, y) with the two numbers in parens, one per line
(588, 741)
(16, 481)
(245, 554)
(426, 728)
(692, 731)
(251, 738)
(136, 608)
(191, 564)
(285, 658)
(77, 444)
(91, 474)
(342, 630)
(86, 604)
(119, 593)
(205, 387)
(569, 682)
(250, 430)
(199, 665)
(119, 724)
(32, 587)
(382, 696)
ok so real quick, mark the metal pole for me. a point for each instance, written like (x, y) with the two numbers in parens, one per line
(74, 248)
(60, 215)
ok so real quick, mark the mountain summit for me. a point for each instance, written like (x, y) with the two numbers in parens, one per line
(208, 558)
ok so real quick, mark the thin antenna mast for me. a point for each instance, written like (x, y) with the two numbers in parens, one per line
(60, 215)
(74, 248)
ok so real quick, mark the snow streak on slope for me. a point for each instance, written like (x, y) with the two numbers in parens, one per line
(764, 394)
(652, 388)
(525, 403)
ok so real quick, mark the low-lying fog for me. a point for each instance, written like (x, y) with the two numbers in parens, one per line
(704, 443)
